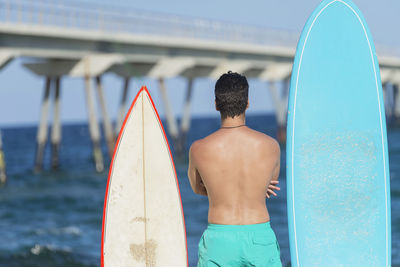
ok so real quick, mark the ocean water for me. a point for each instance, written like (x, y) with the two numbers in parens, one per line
(54, 218)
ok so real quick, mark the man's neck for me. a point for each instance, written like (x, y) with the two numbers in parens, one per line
(235, 121)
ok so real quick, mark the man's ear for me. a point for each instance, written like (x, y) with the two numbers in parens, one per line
(215, 102)
(248, 104)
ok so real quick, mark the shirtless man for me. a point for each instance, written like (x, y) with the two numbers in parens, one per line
(237, 168)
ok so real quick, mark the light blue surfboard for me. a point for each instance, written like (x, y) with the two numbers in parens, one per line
(337, 157)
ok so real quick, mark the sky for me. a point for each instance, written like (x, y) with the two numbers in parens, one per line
(21, 91)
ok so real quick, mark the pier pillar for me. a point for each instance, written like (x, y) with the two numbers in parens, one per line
(172, 126)
(396, 100)
(43, 128)
(388, 99)
(280, 102)
(185, 121)
(3, 175)
(94, 129)
(56, 127)
(274, 73)
(122, 106)
(107, 125)
(384, 99)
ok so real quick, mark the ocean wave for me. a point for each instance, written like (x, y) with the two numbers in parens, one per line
(37, 249)
(46, 255)
(69, 230)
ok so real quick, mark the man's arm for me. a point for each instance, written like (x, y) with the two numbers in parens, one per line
(194, 175)
(277, 152)
(275, 174)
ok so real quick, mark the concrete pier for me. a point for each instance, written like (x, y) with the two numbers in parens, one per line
(3, 174)
(277, 76)
(280, 98)
(172, 126)
(186, 116)
(56, 127)
(122, 105)
(396, 92)
(387, 94)
(94, 129)
(172, 47)
(107, 125)
(43, 127)
(87, 67)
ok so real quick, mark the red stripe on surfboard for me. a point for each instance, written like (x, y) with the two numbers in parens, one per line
(144, 88)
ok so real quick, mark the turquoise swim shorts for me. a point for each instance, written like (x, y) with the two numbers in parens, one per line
(239, 245)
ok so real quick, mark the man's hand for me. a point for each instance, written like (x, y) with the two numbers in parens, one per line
(271, 188)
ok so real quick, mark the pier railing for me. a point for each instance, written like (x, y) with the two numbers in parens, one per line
(85, 16)
(73, 14)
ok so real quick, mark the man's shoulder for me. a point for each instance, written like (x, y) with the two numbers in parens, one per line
(197, 146)
(205, 141)
(266, 142)
(266, 139)
(254, 138)
(201, 145)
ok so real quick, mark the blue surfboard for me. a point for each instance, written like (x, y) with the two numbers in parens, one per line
(337, 156)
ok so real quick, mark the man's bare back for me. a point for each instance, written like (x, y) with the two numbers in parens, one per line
(234, 167)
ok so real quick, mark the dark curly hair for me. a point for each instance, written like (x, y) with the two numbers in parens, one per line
(231, 94)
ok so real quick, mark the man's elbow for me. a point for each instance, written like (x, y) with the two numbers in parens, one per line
(275, 177)
(201, 191)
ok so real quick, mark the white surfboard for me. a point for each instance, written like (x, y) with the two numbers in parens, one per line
(143, 222)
